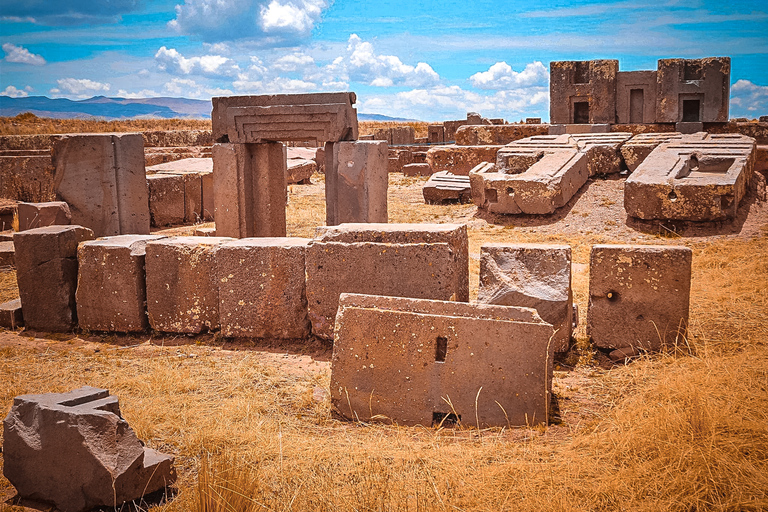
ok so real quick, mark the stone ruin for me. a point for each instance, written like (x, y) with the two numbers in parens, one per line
(76, 451)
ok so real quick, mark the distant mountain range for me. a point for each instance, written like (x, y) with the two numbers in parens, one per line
(123, 108)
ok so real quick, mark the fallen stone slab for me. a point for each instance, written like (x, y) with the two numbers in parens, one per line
(460, 159)
(101, 177)
(38, 215)
(638, 296)
(428, 362)
(76, 451)
(262, 292)
(300, 171)
(444, 187)
(417, 169)
(603, 151)
(698, 177)
(536, 276)
(46, 272)
(637, 149)
(111, 285)
(182, 288)
(11, 316)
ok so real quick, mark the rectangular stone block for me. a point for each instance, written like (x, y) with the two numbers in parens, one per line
(37, 215)
(435, 134)
(637, 149)
(46, 272)
(638, 296)
(443, 187)
(166, 199)
(262, 291)
(11, 316)
(423, 362)
(356, 182)
(451, 127)
(101, 177)
(249, 189)
(182, 284)
(27, 177)
(582, 92)
(455, 235)
(425, 271)
(7, 254)
(534, 276)
(111, 284)
(477, 135)
(693, 90)
(460, 159)
(603, 151)
(323, 117)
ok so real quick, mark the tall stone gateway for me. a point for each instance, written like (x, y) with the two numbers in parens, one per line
(250, 162)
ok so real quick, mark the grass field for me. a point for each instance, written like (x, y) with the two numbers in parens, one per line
(252, 428)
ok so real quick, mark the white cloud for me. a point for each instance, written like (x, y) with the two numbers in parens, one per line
(144, 93)
(265, 22)
(20, 54)
(293, 62)
(175, 63)
(364, 65)
(13, 92)
(187, 88)
(80, 87)
(501, 76)
(748, 99)
(278, 85)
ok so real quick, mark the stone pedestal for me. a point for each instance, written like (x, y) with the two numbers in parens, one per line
(249, 189)
(356, 182)
(101, 177)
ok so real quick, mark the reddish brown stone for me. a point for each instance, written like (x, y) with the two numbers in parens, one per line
(460, 159)
(38, 215)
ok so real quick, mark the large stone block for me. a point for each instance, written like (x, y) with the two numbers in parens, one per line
(46, 272)
(478, 135)
(534, 276)
(11, 316)
(636, 97)
(637, 149)
(435, 134)
(166, 199)
(693, 90)
(76, 451)
(262, 291)
(26, 177)
(603, 151)
(455, 235)
(696, 177)
(460, 159)
(249, 189)
(638, 296)
(111, 284)
(424, 271)
(423, 362)
(182, 284)
(322, 117)
(38, 215)
(356, 182)
(443, 187)
(101, 177)
(583, 92)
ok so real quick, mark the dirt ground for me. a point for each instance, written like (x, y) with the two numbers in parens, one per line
(595, 215)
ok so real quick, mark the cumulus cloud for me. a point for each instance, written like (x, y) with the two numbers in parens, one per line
(20, 54)
(365, 65)
(268, 22)
(188, 88)
(175, 63)
(748, 99)
(13, 92)
(293, 62)
(80, 87)
(69, 12)
(144, 93)
(501, 76)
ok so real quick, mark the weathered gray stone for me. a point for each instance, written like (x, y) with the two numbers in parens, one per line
(111, 284)
(249, 189)
(182, 288)
(101, 177)
(11, 316)
(637, 149)
(38, 215)
(697, 177)
(46, 272)
(534, 276)
(636, 97)
(76, 451)
(356, 182)
(445, 187)
(415, 362)
(583, 92)
(693, 90)
(638, 296)
(262, 292)
(603, 151)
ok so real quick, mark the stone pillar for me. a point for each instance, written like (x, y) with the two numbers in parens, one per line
(249, 189)
(101, 177)
(356, 182)
(46, 271)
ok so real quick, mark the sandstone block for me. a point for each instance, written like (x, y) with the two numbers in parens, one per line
(262, 291)
(11, 316)
(182, 284)
(460, 159)
(425, 362)
(7, 254)
(300, 170)
(76, 451)
(638, 296)
(435, 134)
(38, 215)
(356, 182)
(46, 272)
(101, 177)
(166, 199)
(534, 276)
(420, 169)
(27, 177)
(443, 187)
(478, 135)
(111, 285)
(603, 151)
(637, 149)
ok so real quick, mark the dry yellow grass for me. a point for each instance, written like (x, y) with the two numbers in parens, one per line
(369, 127)
(29, 124)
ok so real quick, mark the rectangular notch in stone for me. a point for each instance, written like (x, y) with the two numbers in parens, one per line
(691, 111)
(581, 112)
(441, 349)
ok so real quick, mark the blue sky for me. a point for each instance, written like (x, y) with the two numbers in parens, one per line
(429, 60)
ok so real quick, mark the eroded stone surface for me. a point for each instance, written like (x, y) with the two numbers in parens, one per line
(414, 362)
(637, 149)
(76, 451)
(356, 182)
(38, 215)
(460, 159)
(446, 187)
